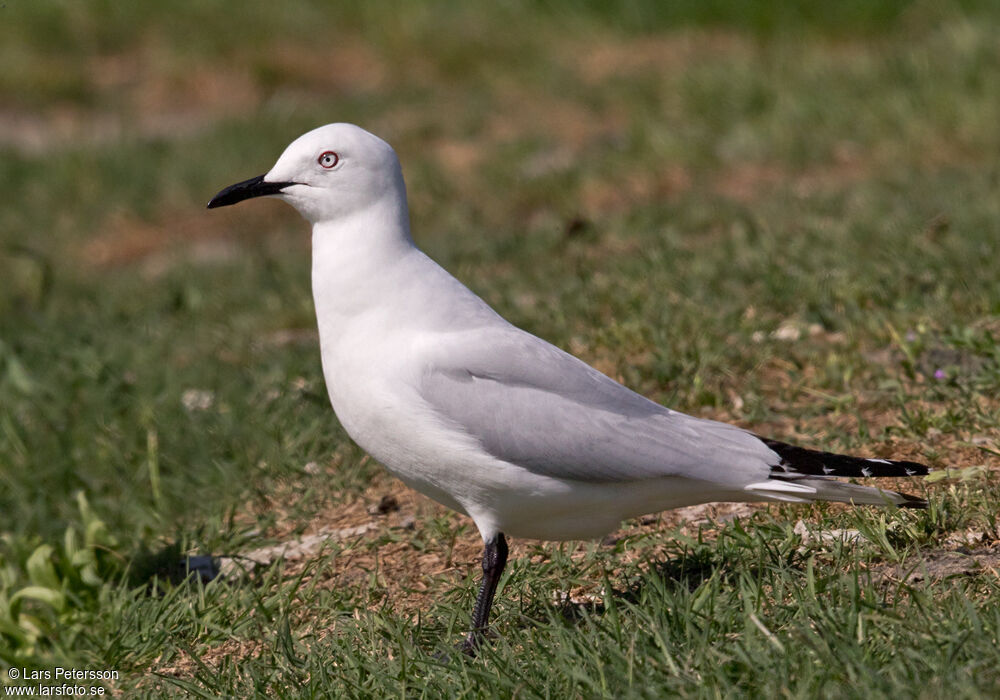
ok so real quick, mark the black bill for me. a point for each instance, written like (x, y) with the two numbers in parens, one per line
(254, 187)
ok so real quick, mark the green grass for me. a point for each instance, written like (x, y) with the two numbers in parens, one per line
(657, 189)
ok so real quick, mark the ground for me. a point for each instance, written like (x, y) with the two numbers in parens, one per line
(772, 215)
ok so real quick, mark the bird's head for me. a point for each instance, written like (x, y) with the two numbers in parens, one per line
(326, 174)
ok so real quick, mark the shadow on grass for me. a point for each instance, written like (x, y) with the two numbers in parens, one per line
(169, 564)
(759, 554)
(681, 574)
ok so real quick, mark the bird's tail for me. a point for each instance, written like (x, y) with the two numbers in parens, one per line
(803, 475)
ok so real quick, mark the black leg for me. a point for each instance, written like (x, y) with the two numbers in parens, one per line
(494, 560)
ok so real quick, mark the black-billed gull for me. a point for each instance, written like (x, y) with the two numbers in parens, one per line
(487, 419)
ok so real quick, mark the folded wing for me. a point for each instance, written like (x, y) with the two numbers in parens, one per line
(531, 404)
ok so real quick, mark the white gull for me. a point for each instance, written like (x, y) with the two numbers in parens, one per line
(487, 419)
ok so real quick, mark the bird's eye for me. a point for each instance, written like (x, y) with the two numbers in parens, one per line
(328, 159)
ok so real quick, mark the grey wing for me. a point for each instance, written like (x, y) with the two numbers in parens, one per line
(531, 404)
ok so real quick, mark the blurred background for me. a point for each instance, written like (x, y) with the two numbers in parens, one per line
(781, 214)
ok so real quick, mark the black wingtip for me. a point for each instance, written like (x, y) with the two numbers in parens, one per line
(912, 502)
(801, 460)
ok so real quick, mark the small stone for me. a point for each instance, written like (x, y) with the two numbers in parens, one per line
(197, 399)
(387, 505)
(787, 331)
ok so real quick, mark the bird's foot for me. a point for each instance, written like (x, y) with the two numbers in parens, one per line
(468, 647)
(475, 640)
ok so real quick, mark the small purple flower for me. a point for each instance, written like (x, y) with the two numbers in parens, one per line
(939, 374)
(910, 336)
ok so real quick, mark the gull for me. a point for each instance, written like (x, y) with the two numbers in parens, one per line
(489, 420)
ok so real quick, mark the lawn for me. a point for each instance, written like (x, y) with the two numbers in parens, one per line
(771, 214)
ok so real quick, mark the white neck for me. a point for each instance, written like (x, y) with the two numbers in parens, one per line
(370, 281)
(350, 257)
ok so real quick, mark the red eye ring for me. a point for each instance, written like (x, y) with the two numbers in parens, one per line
(328, 159)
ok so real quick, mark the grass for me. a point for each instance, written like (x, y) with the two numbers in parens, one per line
(776, 216)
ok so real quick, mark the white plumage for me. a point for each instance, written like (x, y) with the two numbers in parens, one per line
(488, 419)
